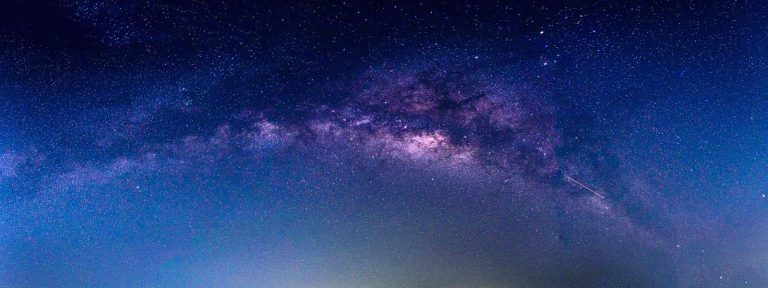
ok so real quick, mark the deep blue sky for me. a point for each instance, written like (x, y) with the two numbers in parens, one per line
(416, 144)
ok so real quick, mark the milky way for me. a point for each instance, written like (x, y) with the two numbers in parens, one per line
(536, 144)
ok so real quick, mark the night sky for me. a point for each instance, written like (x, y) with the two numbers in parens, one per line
(392, 145)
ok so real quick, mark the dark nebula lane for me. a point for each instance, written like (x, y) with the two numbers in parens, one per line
(412, 144)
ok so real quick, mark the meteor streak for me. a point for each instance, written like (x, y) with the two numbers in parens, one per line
(584, 186)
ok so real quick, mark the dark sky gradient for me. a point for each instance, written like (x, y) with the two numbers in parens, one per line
(415, 144)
